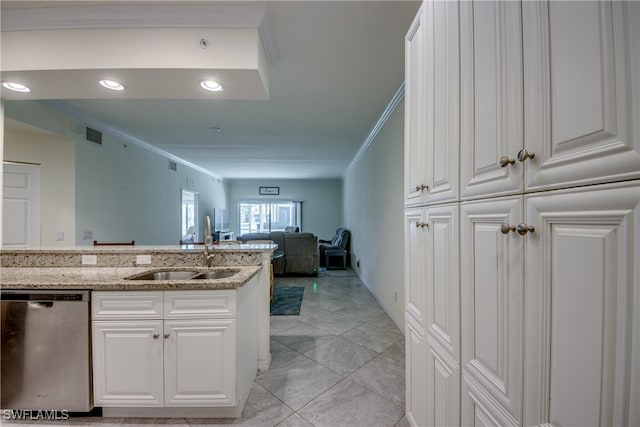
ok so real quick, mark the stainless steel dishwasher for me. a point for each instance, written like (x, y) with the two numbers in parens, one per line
(45, 350)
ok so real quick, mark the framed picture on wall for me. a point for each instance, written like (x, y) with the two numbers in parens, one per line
(269, 191)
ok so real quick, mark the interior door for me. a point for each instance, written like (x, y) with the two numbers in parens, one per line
(20, 205)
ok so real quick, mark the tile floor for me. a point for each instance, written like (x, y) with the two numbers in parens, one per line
(339, 363)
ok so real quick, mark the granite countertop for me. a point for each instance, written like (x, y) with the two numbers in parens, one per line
(113, 278)
(140, 249)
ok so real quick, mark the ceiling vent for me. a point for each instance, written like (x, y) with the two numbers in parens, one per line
(94, 136)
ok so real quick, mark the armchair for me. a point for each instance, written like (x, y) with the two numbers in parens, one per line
(337, 246)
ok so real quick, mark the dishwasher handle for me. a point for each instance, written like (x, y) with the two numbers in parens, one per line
(45, 295)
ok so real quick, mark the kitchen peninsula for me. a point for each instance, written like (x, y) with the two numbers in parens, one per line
(169, 336)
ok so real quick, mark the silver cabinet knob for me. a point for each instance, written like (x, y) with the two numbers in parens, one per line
(166, 336)
(421, 187)
(422, 224)
(523, 229)
(156, 336)
(506, 161)
(506, 228)
(524, 155)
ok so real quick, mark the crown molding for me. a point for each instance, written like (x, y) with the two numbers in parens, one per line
(391, 106)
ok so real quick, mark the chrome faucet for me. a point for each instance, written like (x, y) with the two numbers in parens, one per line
(206, 261)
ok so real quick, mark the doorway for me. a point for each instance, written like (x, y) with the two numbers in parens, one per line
(20, 205)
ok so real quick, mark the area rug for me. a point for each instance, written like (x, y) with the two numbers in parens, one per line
(287, 301)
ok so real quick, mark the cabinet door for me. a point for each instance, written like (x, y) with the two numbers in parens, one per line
(443, 316)
(415, 373)
(492, 312)
(200, 364)
(127, 363)
(414, 150)
(442, 102)
(491, 98)
(581, 69)
(581, 319)
(415, 231)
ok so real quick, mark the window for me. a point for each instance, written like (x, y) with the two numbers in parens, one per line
(188, 230)
(256, 217)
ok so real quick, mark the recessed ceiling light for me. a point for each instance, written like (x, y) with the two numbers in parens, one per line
(16, 87)
(211, 85)
(112, 85)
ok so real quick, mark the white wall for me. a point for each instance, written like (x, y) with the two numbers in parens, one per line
(321, 207)
(373, 211)
(123, 191)
(56, 156)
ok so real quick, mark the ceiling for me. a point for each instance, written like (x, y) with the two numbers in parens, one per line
(333, 68)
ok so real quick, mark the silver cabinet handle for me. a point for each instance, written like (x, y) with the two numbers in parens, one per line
(506, 228)
(166, 336)
(422, 224)
(506, 161)
(524, 155)
(421, 187)
(523, 229)
(156, 336)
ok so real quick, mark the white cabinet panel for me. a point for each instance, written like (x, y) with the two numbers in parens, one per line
(491, 98)
(581, 92)
(416, 230)
(416, 393)
(127, 363)
(492, 305)
(581, 264)
(414, 150)
(199, 365)
(442, 102)
(200, 304)
(127, 305)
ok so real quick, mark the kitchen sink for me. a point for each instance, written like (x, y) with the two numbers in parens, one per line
(165, 275)
(215, 274)
(182, 275)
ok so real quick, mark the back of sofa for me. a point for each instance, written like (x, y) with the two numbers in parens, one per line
(302, 253)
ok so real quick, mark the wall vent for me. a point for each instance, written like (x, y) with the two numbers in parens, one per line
(173, 166)
(94, 136)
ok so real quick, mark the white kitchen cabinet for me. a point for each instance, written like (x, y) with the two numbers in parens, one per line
(442, 101)
(581, 91)
(492, 298)
(128, 363)
(443, 315)
(190, 356)
(415, 178)
(582, 281)
(199, 362)
(415, 231)
(491, 98)
(538, 321)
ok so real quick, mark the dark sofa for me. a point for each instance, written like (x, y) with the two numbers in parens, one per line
(338, 243)
(300, 251)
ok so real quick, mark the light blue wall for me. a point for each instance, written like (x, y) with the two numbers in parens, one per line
(321, 207)
(373, 211)
(123, 191)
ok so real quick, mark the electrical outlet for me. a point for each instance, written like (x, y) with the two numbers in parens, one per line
(87, 235)
(143, 259)
(60, 236)
(89, 259)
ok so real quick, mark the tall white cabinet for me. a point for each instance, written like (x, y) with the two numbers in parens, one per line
(522, 176)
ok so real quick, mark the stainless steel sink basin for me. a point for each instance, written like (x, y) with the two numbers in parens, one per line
(215, 274)
(165, 275)
(182, 275)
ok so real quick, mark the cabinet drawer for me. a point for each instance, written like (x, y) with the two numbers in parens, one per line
(209, 304)
(127, 305)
